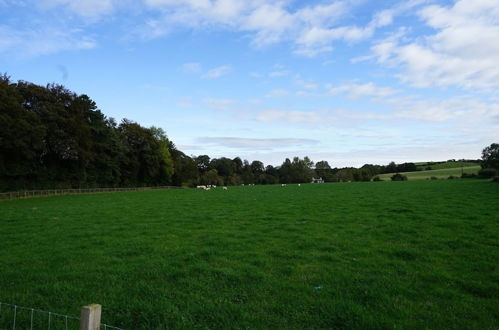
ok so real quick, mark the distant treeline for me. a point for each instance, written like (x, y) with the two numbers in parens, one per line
(51, 137)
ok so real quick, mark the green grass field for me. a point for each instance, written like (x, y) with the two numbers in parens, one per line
(417, 254)
(456, 164)
(443, 173)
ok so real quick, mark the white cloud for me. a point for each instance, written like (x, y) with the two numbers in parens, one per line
(294, 116)
(191, 67)
(256, 144)
(280, 73)
(219, 104)
(256, 75)
(306, 84)
(462, 52)
(89, 9)
(389, 106)
(34, 42)
(361, 90)
(277, 93)
(217, 72)
(312, 28)
(469, 112)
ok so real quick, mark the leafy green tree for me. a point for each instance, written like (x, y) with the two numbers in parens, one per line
(237, 163)
(147, 160)
(398, 177)
(271, 175)
(223, 166)
(490, 156)
(324, 170)
(186, 169)
(301, 170)
(166, 161)
(285, 171)
(346, 174)
(257, 167)
(390, 168)
(211, 177)
(247, 173)
(203, 163)
(21, 139)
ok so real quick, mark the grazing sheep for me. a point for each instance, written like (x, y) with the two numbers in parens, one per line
(224, 188)
(201, 187)
(283, 185)
(299, 185)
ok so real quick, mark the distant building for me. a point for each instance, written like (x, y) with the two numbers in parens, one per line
(319, 180)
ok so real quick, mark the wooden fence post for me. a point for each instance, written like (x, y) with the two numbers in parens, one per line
(90, 317)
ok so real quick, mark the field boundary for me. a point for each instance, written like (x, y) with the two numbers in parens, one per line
(89, 319)
(56, 192)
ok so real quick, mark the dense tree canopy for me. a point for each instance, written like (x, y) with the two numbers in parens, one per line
(53, 138)
(490, 156)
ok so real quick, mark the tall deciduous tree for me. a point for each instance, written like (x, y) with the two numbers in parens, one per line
(490, 156)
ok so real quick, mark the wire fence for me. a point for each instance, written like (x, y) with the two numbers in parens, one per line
(14, 317)
(54, 192)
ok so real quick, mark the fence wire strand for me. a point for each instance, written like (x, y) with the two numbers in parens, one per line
(54, 192)
(32, 311)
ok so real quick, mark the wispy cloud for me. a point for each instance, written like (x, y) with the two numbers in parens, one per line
(33, 42)
(191, 67)
(256, 144)
(217, 72)
(306, 84)
(277, 93)
(356, 90)
(219, 104)
(294, 116)
(280, 73)
(88, 9)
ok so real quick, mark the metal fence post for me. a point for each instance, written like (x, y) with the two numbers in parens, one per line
(90, 317)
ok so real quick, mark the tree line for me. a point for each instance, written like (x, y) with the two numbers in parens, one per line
(51, 137)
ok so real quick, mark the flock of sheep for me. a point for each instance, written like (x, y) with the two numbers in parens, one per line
(211, 186)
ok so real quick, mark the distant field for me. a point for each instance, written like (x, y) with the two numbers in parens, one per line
(371, 255)
(441, 173)
(444, 165)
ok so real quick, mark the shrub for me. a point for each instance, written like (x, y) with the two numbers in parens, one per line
(452, 177)
(495, 179)
(399, 177)
(487, 173)
(433, 178)
(468, 176)
(377, 178)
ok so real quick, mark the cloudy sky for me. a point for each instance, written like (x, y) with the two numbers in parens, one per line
(348, 81)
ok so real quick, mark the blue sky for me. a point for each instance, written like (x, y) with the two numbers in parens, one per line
(347, 81)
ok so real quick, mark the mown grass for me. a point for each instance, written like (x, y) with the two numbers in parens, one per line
(443, 173)
(372, 255)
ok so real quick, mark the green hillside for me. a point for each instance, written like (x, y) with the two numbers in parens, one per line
(443, 165)
(443, 173)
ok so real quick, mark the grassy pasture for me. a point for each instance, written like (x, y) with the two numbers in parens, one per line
(443, 173)
(439, 166)
(417, 254)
